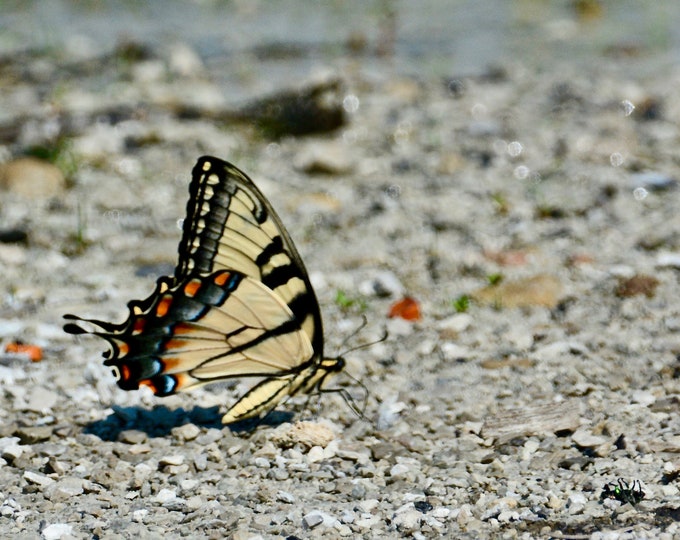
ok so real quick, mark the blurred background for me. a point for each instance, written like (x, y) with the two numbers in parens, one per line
(266, 44)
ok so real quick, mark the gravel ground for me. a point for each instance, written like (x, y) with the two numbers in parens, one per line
(531, 214)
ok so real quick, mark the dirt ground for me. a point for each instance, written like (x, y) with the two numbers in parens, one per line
(531, 214)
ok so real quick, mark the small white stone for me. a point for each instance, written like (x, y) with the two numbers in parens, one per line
(12, 452)
(383, 283)
(165, 495)
(585, 439)
(315, 454)
(139, 515)
(452, 351)
(576, 503)
(177, 459)
(643, 398)
(261, 462)
(407, 521)
(668, 259)
(38, 479)
(57, 531)
(285, 497)
(187, 432)
(389, 412)
(368, 505)
(399, 470)
(508, 515)
(189, 484)
(347, 516)
(441, 512)
(455, 323)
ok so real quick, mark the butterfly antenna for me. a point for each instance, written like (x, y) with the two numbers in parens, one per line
(363, 324)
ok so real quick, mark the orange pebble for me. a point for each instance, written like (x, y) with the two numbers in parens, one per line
(407, 308)
(34, 352)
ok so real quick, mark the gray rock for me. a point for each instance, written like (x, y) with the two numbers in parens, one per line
(312, 519)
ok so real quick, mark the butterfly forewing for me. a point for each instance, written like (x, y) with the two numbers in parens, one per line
(231, 225)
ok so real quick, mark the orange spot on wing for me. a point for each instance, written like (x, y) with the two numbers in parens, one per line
(221, 279)
(123, 348)
(149, 384)
(406, 308)
(34, 352)
(163, 306)
(175, 344)
(138, 326)
(171, 364)
(181, 329)
(191, 288)
(124, 373)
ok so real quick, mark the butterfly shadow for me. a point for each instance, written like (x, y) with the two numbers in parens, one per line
(160, 421)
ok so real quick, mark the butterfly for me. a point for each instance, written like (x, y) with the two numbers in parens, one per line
(240, 304)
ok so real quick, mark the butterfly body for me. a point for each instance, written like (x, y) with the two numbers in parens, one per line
(240, 304)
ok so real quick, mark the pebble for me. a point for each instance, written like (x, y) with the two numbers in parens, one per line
(189, 484)
(132, 436)
(312, 519)
(263, 463)
(165, 495)
(389, 412)
(643, 398)
(11, 255)
(399, 470)
(398, 327)
(56, 531)
(668, 259)
(38, 479)
(187, 432)
(576, 503)
(652, 180)
(139, 516)
(454, 325)
(585, 439)
(315, 454)
(347, 516)
(285, 497)
(210, 436)
(452, 351)
(367, 506)
(12, 452)
(177, 459)
(32, 435)
(32, 178)
(407, 521)
(184, 60)
(307, 434)
(64, 488)
(383, 283)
